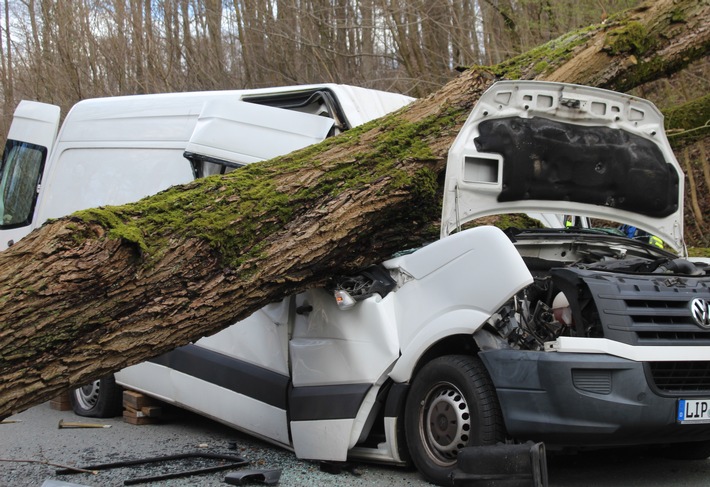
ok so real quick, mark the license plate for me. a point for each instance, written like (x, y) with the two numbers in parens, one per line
(694, 411)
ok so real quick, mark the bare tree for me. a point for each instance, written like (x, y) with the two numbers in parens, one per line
(71, 50)
(8, 78)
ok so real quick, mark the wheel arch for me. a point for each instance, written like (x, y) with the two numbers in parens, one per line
(443, 336)
(455, 344)
(462, 343)
(459, 344)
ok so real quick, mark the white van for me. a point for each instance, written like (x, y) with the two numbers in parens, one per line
(578, 337)
(120, 149)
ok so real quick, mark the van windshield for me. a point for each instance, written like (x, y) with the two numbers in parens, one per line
(20, 172)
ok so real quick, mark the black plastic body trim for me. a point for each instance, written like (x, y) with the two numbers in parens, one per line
(316, 403)
(312, 403)
(233, 374)
(395, 400)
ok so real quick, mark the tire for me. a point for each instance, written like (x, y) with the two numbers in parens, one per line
(99, 399)
(454, 390)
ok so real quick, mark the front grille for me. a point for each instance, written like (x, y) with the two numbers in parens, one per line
(649, 310)
(673, 336)
(661, 318)
(660, 311)
(685, 377)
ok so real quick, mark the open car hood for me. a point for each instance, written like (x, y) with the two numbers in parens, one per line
(553, 148)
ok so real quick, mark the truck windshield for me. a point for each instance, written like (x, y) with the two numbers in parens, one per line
(20, 172)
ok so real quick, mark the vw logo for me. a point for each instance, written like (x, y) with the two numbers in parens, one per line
(700, 308)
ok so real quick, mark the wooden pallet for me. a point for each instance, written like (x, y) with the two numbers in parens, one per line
(140, 409)
(61, 403)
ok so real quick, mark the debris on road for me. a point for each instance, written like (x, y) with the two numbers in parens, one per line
(223, 462)
(68, 424)
(51, 464)
(266, 477)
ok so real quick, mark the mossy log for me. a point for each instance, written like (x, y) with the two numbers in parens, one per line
(688, 123)
(86, 295)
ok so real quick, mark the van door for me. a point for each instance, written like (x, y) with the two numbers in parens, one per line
(31, 136)
(236, 133)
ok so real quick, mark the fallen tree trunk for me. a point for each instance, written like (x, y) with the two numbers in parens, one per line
(106, 288)
(688, 123)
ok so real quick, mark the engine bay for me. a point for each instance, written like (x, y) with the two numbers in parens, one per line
(560, 301)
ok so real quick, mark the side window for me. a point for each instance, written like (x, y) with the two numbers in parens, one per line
(20, 173)
(206, 166)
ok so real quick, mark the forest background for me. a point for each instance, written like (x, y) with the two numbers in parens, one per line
(63, 51)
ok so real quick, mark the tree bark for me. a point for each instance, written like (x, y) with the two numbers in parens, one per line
(688, 123)
(86, 295)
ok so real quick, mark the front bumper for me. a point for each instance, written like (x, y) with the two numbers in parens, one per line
(584, 400)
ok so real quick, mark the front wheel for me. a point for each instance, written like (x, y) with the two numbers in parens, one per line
(99, 399)
(451, 405)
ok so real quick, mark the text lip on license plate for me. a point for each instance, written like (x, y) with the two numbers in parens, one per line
(693, 411)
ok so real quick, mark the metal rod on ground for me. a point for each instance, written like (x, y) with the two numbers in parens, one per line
(67, 424)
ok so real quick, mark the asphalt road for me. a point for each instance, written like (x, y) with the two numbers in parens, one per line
(36, 436)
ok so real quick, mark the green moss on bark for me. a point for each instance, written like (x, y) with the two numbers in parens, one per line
(631, 37)
(690, 115)
(688, 122)
(544, 58)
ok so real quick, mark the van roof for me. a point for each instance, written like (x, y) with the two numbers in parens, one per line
(85, 119)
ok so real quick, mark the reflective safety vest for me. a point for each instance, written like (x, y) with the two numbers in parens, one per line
(633, 232)
(653, 240)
